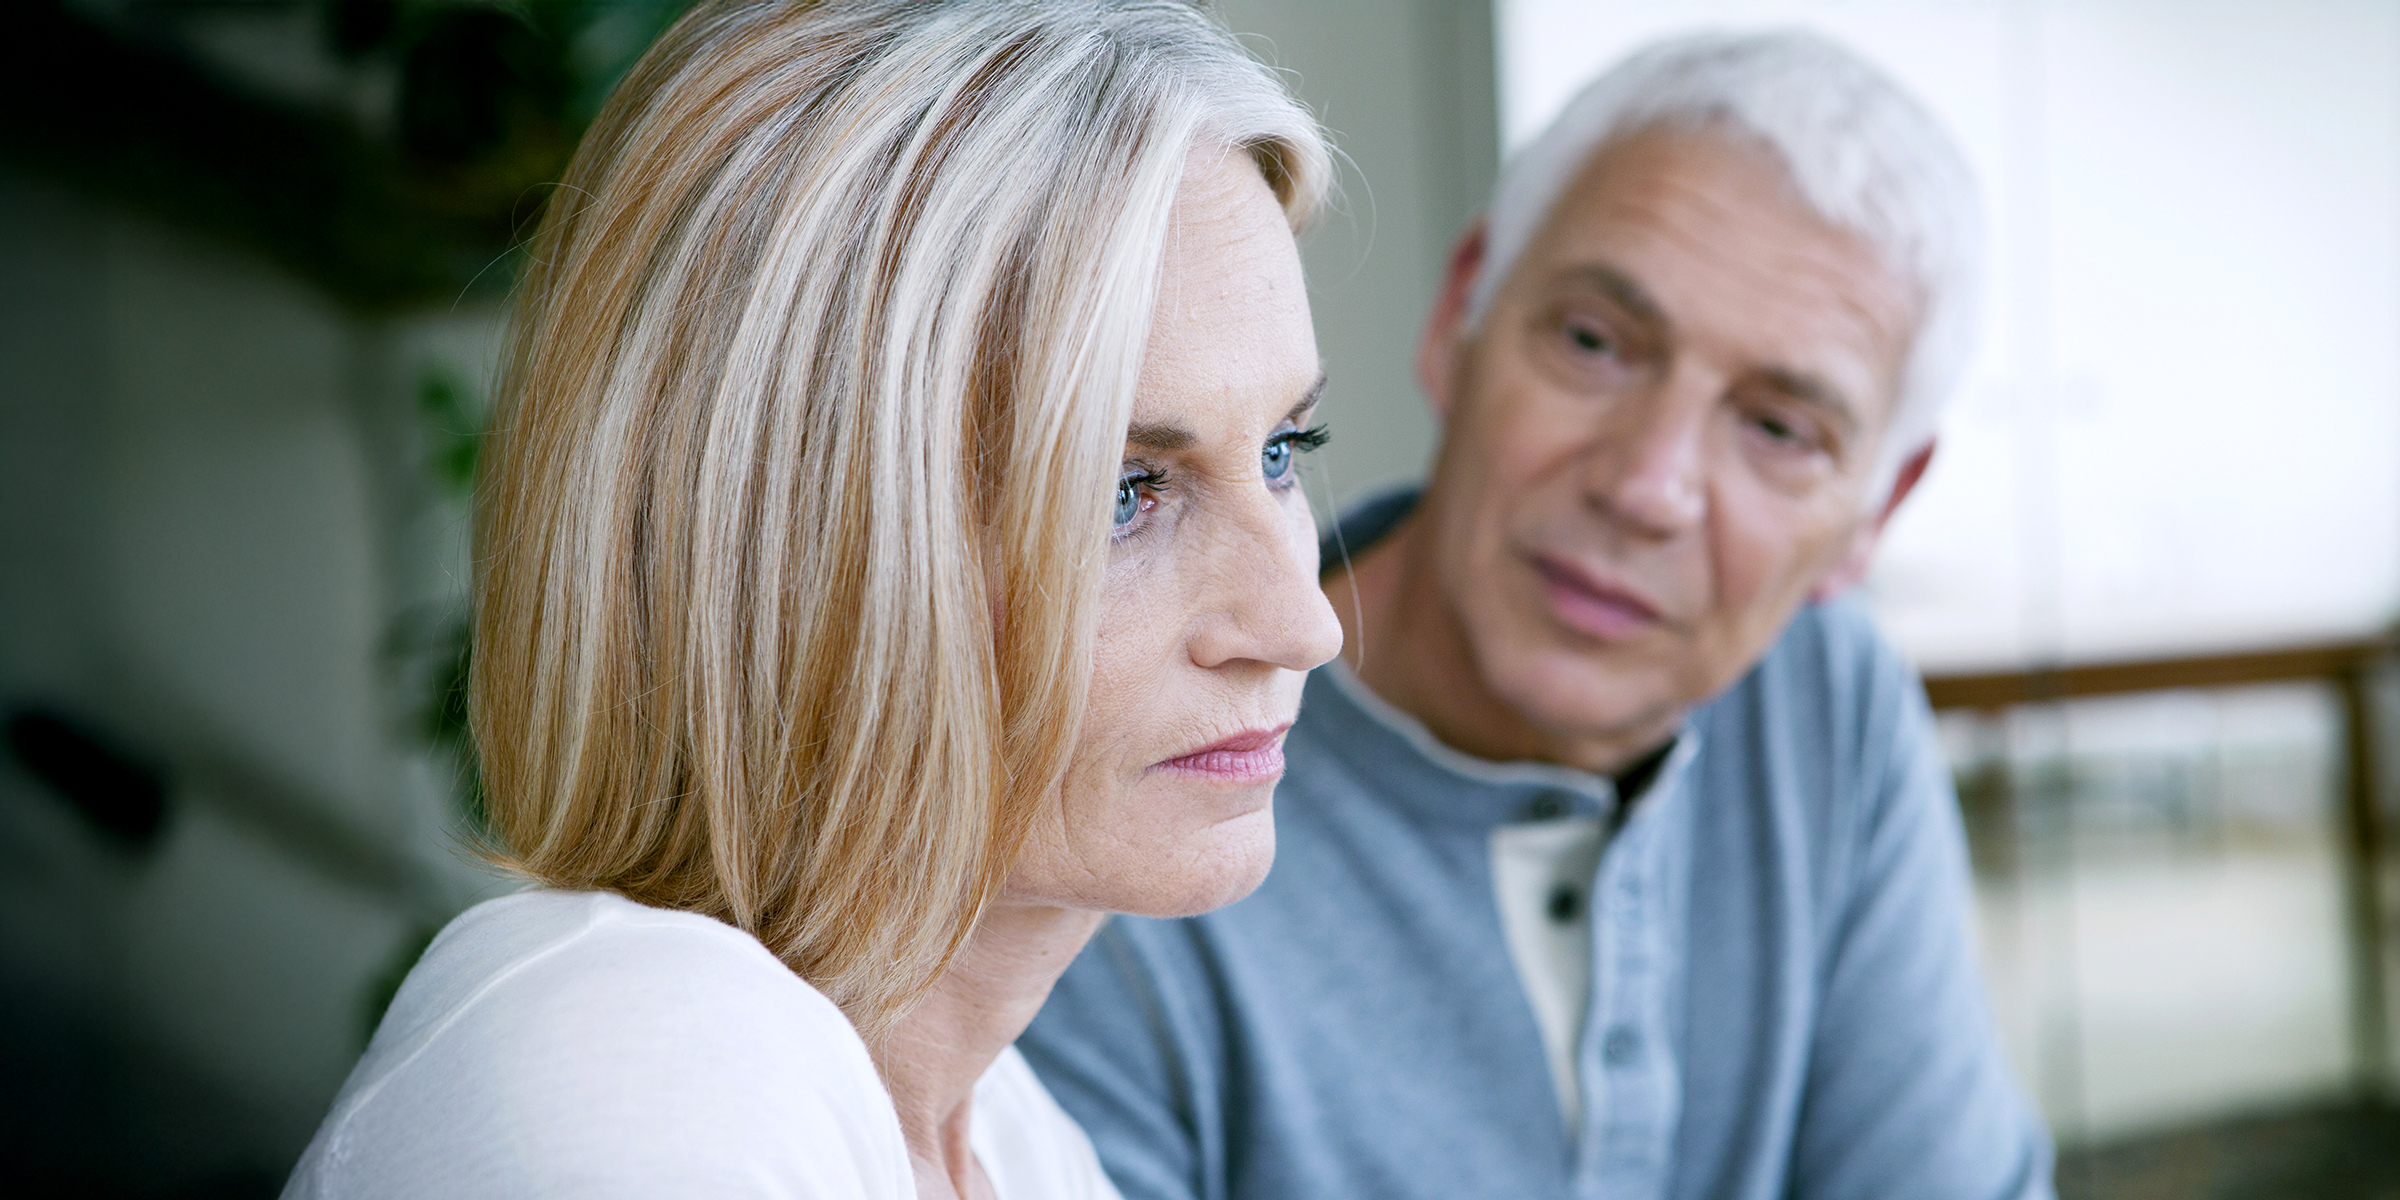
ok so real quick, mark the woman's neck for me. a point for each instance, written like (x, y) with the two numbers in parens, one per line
(932, 1059)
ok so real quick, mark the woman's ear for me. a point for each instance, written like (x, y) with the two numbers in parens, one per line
(1437, 352)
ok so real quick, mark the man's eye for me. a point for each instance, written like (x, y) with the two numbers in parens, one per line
(1589, 340)
(1786, 432)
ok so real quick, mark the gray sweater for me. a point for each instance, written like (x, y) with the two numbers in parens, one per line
(1785, 999)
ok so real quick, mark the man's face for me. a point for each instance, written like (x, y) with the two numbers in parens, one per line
(1659, 440)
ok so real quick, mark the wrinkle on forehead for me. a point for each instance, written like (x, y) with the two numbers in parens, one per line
(1216, 205)
(1232, 315)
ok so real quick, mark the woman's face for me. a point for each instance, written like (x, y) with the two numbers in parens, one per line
(1211, 613)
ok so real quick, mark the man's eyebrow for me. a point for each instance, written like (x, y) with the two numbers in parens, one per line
(1166, 437)
(1621, 288)
(1814, 392)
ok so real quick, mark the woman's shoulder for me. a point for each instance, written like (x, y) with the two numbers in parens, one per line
(555, 1043)
(522, 976)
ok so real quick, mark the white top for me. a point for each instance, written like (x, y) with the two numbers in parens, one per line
(577, 1044)
(1542, 878)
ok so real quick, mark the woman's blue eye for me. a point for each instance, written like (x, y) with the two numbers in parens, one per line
(1276, 459)
(1137, 493)
(1129, 500)
(1278, 462)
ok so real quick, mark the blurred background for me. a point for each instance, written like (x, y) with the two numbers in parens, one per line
(252, 257)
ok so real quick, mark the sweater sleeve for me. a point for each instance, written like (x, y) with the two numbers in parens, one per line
(1907, 1091)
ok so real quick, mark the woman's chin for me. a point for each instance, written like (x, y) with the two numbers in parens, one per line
(1217, 866)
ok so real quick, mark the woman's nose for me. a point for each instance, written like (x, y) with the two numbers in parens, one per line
(1270, 608)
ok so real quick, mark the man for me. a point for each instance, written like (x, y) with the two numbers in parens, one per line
(1616, 857)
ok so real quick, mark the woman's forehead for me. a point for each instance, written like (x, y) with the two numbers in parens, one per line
(1231, 336)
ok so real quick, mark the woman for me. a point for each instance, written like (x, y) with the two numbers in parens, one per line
(893, 561)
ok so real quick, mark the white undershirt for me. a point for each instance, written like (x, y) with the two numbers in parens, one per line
(1542, 878)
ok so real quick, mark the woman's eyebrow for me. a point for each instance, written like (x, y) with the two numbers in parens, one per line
(1162, 438)
(1308, 400)
(1165, 436)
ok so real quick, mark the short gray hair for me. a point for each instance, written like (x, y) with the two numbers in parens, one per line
(1864, 155)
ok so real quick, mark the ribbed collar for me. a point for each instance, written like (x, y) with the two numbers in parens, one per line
(1395, 755)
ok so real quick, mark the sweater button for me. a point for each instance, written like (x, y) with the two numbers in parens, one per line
(1545, 807)
(1621, 1048)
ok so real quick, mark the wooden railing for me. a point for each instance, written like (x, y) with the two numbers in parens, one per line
(2347, 668)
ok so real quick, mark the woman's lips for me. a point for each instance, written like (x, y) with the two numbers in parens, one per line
(1252, 756)
(1593, 606)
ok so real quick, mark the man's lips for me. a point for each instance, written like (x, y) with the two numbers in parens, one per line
(1591, 605)
(1251, 756)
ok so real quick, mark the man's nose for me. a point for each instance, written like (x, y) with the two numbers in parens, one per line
(1647, 469)
(1267, 605)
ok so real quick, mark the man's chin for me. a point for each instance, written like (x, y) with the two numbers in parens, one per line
(1578, 698)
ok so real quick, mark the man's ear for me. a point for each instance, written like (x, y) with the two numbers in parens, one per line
(1437, 352)
(1861, 552)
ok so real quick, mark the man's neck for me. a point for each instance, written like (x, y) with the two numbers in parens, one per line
(1405, 641)
(933, 1058)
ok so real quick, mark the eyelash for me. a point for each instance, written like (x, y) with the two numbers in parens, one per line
(1304, 440)
(1155, 481)
(1296, 442)
(1145, 479)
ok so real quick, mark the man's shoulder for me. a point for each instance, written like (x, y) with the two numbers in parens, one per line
(1831, 723)
(1832, 643)
(1831, 667)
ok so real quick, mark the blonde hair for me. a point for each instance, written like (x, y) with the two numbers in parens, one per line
(818, 389)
